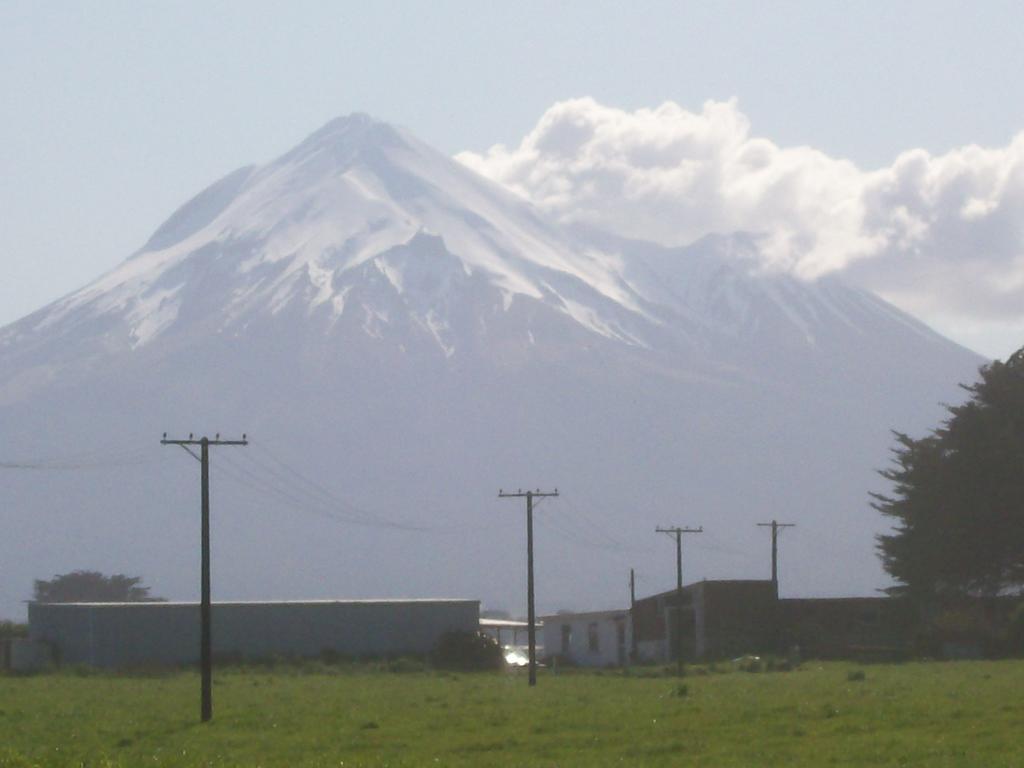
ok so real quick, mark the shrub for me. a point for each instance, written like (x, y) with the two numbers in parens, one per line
(1015, 631)
(332, 657)
(13, 629)
(468, 650)
(405, 664)
(856, 675)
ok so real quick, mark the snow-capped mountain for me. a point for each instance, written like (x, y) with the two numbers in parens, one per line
(407, 336)
(356, 197)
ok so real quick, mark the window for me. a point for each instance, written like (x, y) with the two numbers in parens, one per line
(566, 639)
(593, 638)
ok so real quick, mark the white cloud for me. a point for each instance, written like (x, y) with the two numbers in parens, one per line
(940, 235)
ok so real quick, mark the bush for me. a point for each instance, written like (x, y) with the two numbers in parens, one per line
(13, 629)
(331, 657)
(468, 650)
(1015, 631)
(750, 664)
(406, 664)
(778, 665)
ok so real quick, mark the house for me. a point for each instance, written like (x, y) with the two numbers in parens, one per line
(595, 639)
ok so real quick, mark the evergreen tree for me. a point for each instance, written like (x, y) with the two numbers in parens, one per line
(92, 587)
(958, 495)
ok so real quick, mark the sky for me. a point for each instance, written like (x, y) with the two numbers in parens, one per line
(879, 141)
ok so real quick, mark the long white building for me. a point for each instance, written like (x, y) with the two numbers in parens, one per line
(136, 634)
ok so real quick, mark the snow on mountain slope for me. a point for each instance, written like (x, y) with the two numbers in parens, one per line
(291, 230)
(301, 229)
(413, 337)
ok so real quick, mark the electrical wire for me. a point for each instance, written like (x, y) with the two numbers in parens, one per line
(314, 499)
(90, 459)
(316, 492)
(302, 500)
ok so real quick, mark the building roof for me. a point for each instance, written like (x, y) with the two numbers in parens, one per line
(706, 582)
(585, 615)
(157, 604)
(504, 623)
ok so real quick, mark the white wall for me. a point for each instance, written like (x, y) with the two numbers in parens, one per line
(580, 650)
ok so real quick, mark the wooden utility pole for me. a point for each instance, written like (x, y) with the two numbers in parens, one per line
(775, 526)
(678, 532)
(632, 615)
(205, 636)
(531, 614)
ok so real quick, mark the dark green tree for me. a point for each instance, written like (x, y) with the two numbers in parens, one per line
(92, 587)
(957, 499)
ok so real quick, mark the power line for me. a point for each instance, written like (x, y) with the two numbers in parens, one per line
(260, 484)
(718, 546)
(598, 538)
(298, 499)
(573, 535)
(319, 494)
(82, 460)
(579, 515)
(298, 484)
(304, 484)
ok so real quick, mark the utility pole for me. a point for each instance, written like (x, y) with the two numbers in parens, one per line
(205, 639)
(632, 616)
(531, 614)
(775, 526)
(678, 532)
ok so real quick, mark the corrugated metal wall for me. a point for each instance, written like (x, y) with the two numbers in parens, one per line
(132, 634)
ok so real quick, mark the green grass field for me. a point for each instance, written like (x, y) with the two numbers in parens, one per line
(936, 714)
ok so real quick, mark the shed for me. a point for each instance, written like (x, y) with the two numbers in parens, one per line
(717, 619)
(594, 639)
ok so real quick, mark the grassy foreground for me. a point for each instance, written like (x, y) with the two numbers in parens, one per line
(952, 714)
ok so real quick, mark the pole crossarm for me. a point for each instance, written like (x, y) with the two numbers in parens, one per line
(523, 494)
(205, 606)
(200, 440)
(531, 613)
(675, 531)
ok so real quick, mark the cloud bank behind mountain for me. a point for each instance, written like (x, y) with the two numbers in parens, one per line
(941, 236)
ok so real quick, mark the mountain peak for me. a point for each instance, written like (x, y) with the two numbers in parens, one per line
(347, 137)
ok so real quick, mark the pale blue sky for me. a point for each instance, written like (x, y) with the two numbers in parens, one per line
(114, 113)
